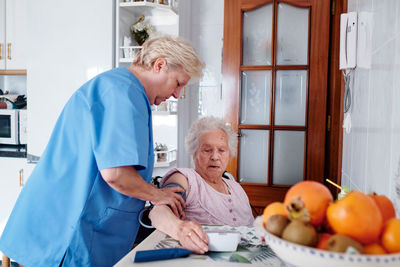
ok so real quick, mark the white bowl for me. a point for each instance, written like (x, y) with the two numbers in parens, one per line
(222, 240)
(302, 256)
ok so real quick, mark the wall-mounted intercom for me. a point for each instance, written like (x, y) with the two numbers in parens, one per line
(348, 40)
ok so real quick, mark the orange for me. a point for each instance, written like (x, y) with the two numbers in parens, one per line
(357, 216)
(274, 208)
(385, 205)
(391, 235)
(374, 249)
(313, 198)
(323, 239)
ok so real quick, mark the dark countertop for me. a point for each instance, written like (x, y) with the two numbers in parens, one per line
(13, 151)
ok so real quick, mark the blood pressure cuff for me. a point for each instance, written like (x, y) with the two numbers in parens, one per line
(145, 222)
(183, 194)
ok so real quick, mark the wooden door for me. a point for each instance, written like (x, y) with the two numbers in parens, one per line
(275, 66)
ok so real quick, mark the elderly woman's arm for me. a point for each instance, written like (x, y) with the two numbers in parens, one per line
(190, 234)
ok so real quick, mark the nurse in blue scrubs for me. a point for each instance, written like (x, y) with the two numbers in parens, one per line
(80, 204)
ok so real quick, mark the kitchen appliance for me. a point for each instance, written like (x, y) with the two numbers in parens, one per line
(13, 126)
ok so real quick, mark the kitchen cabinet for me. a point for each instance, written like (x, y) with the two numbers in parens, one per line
(13, 175)
(13, 34)
(69, 43)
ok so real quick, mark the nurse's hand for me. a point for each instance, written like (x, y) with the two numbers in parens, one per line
(169, 196)
(192, 236)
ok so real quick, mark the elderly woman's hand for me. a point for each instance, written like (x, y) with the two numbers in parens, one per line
(170, 196)
(192, 236)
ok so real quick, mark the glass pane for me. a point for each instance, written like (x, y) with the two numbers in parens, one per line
(291, 97)
(255, 97)
(288, 157)
(253, 162)
(5, 126)
(292, 42)
(257, 32)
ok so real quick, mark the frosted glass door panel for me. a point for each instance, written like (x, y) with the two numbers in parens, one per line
(291, 97)
(257, 36)
(255, 97)
(292, 42)
(288, 157)
(253, 162)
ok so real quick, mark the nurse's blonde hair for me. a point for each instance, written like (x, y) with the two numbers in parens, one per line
(207, 124)
(175, 50)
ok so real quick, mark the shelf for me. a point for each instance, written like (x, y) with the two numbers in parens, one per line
(169, 156)
(145, 7)
(163, 164)
(129, 52)
(165, 151)
(125, 60)
(131, 47)
(168, 107)
(13, 151)
(12, 72)
(163, 113)
(163, 17)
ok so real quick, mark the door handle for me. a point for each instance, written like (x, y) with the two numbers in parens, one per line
(183, 96)
(1, 50)
(21, 177)
(9, 51)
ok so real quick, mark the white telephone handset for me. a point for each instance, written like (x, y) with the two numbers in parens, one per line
(348, 41)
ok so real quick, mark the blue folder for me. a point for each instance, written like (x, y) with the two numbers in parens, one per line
(160, 254)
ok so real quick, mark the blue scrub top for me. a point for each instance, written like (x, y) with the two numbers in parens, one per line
(66, 208)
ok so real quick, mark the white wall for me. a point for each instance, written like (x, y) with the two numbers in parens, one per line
(202, 23)
(14, 84)
(207, 35)
(371, 151)
(69, 43)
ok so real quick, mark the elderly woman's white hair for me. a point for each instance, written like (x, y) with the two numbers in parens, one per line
(208, 124)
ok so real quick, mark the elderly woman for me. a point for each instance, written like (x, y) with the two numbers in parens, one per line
(210, 199)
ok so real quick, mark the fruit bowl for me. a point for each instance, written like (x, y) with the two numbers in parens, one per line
(297, 255)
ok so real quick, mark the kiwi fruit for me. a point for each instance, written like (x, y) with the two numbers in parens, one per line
(276, 224)
(340, 243)
(301, 233)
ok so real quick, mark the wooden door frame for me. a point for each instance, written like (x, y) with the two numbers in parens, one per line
(318, 67)
(334, 143)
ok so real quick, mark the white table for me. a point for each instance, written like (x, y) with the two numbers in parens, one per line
(192, 261)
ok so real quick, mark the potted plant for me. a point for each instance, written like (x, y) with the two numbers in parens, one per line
(141, 31)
